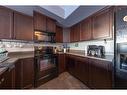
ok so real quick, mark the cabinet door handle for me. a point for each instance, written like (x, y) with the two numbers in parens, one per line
(2, 80)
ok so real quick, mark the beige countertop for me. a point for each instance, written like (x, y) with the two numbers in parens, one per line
(106, 58)
(15, 56)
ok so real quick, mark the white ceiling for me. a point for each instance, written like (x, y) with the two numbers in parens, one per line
(62, 11)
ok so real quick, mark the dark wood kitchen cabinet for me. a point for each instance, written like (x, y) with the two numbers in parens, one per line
(70, 65)
(39, 21)
(82, 69)
(75, 33)
(7, 79)
(94, 73)
(86, 30)
(59, 34)
(6, 23)
(3, 80)
(78, 67)
(103, 24)
(24, 73)
(23, 27)
(61, 63)
(28, 72)
(51, 25)
(100, 74)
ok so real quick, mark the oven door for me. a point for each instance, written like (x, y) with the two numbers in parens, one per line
(45, 65)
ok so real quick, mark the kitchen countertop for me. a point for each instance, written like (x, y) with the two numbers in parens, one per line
(106, 58)
(15, 56)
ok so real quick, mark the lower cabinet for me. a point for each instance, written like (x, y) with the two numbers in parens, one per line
(100, 74)
(61, 63)
(24, 76)
(82, 70)
(7, 79)
(70, 64)
(94, 73)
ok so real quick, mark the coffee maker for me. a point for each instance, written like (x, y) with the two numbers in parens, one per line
(96, 51)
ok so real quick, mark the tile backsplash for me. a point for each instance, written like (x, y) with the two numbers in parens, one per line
(109, 45)
(22, 46)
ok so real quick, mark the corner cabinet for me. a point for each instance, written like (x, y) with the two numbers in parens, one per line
(103, 24)
(23, 27)
(75, 33)
(6, 23)
(59, 34)
(51, 25)
(39, 21)
(61, 63)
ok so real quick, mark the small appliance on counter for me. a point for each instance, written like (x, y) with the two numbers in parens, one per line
(96, 51)
(3, 54)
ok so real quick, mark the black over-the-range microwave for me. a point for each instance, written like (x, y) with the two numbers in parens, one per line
(41, 36)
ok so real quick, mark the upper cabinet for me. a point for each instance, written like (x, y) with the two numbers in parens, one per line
(59, 34)
(75, 33)
(102, 24)
(43, 23)
(23, 27)
(97, 26)
(51, 25)
(86, 30)
(39, 21)
(6, 23)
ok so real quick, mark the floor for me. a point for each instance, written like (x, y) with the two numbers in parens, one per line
(64, 81)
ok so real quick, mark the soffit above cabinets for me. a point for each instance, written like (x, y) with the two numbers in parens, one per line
(65, 15)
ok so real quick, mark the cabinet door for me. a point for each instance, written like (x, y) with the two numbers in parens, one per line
(39, 21)
(100, 74)
(72, 34)
(18, 73)
(59, 34)
(23, 27)
(51, 26)
(61, 63)
(3, 80)
(7, 79)
(102, 24)
(71, 65)
(75, 33)
(86, 30)
(11, 77)
(27, 72)
(24, 73)
(6, 23)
